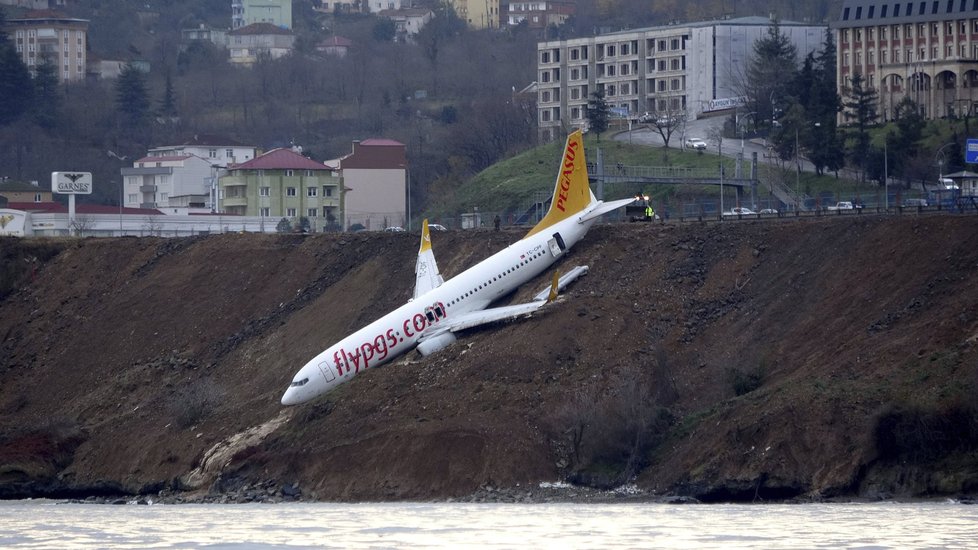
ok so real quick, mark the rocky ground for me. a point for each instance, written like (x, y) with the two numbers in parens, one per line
(743, 361)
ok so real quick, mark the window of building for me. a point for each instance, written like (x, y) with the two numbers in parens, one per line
(327, 191)
(674, 84)
(212, 153)
(290, 212)
(545, 116)
(264, 212)
(623, 69)
(575, 74)
(883, 31)
(311, 212)
(610, 50)
(674, 64)
(869, 33)
(662, 64)
(662, 45)
(544, 57)
(662, 85)
(624, 49)
(609, 90)
(290, 192)
(575, 54)
(845, 35)
(611, 70)
(859, 35)
(289, 173)
(845, 59)
(575, 113)
(311, 192)
(229, 153)
(871, 55)
(264, 191)
(674, 44)
(132, 198)
(575, 93)
(37, 197)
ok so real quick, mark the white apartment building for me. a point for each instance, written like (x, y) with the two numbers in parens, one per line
(159, 182)
(217, 150)
(692, 68)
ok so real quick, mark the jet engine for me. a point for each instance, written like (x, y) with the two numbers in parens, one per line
(435, 343)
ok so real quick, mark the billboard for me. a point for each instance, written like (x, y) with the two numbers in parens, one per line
(71, 183)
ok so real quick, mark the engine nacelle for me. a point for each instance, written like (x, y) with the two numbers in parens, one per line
(436, 343)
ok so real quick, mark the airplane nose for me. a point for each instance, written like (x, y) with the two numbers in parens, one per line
(290, 397)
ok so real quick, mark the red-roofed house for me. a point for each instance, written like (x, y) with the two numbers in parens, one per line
(284, 184)
(246, 44)
(334, 45)
(375, 176)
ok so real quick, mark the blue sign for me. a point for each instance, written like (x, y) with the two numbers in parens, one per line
(971, 151)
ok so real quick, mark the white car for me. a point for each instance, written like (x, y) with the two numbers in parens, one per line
(695, 143)
(437, 227)
(394, 229)
(768, 211)
(739, 211)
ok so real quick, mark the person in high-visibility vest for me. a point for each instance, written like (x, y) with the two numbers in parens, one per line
(649, 213)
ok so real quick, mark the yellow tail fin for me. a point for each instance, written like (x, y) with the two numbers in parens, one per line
(425, 237)
(572, 193)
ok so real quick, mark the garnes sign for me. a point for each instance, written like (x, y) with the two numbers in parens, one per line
(71, 183)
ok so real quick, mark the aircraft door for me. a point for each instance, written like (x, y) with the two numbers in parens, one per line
(556, 244)
(327, 371)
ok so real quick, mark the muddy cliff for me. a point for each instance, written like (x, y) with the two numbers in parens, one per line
(725, 362)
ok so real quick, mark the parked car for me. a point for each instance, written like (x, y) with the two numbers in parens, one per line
(695, 143)
(844, 205)
(646, 117)
(739, 211)
(437, 227)
(768, 211)
(394, 229)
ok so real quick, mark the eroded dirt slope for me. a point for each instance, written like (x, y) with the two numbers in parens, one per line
(736, 361)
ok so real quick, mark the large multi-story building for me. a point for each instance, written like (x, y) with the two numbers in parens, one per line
(177, 181)
(284, 184)
(539, 14)
(477, 14)
(375, 177)
(47, 36)
(925, 50)
(692, 69)
(247, 12)
(218, 150)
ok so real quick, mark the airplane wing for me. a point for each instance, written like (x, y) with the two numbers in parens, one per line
(426, 272)
(483, 316)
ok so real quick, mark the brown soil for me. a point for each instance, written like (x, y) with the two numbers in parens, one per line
(727, 362)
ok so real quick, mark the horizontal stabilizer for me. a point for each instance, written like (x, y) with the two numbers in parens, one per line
(565, 279)
(605, 207)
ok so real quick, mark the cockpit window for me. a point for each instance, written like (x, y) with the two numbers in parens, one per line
(298, 383)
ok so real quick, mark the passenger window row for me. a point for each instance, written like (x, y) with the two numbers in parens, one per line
(496, 278)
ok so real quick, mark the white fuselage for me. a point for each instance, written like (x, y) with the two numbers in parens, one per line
(399, 331)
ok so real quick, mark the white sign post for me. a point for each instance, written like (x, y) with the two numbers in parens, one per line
(71, 184)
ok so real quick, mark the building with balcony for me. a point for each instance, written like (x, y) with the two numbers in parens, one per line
(690, 69)
(539, 14)
(925, 50)
(47, 36)
(176, 181)
(376, 181)
(284, 184)
(407, 21)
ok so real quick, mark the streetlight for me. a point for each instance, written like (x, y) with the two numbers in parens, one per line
(741, 128)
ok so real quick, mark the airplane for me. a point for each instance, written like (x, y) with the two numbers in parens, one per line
(440, 308)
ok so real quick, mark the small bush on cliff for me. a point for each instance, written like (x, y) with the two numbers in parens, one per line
(610, 434)
(918, 433)
(194, 402)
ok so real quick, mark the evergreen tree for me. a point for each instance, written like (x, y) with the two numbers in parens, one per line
(860, 107)
(767, 83)
(597, 113)
(132, 99)
(168, 105)
(16, 87)
(46, 105)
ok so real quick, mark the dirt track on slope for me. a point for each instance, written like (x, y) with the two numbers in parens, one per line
(726, 362)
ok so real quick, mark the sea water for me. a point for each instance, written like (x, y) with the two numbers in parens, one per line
(50, 524)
